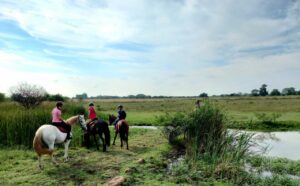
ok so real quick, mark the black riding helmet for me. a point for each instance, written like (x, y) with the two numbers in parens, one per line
(59, 104)
(120, 106)
(91, 104)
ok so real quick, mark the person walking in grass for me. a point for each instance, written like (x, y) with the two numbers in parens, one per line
(58, 121)
(198, 104)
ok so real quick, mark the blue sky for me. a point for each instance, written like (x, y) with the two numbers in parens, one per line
(182, 47)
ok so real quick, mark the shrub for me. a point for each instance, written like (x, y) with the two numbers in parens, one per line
(55, 97)
(27, 95)
(175, 125)
(208, 140)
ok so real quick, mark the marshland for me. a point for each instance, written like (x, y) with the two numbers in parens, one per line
(227, 141)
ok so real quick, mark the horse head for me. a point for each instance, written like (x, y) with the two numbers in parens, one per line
(82, 122)
(111, 118)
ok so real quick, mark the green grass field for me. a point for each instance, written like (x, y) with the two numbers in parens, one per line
(240, 109)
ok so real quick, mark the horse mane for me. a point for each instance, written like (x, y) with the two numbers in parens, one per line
(72, 120)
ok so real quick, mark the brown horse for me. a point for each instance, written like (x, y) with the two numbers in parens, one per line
(98, 127)
(121, 127)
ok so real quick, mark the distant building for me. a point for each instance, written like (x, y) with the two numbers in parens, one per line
(81, 96)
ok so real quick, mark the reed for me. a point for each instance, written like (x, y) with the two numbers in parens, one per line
(18, 125)
(207, 140)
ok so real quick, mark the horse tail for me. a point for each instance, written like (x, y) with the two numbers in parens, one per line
(123, 130)
(107, 134)
(38, 144)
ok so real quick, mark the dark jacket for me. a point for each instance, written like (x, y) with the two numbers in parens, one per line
(121, 114)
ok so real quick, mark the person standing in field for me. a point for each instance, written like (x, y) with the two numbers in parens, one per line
(58, 121)
(121, 114)
(198, 104)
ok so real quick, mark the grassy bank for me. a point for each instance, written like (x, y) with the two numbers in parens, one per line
(88, 167)
(91, 167)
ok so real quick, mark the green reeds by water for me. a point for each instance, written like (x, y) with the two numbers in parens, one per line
(208, 143)
(209, 139)
(18, 127)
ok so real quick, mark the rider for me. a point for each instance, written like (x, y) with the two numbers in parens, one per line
(92, 113)
(121, 114)
(58, 121)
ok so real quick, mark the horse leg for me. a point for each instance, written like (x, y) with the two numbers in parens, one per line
(95, 139)
(127, 141)
(116, 134)
(66, 156)
(40, 162)
(51, 149)
(121, 141)
(103, 142)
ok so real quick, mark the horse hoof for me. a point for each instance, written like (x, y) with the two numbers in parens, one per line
(41, 167)
(66, 159)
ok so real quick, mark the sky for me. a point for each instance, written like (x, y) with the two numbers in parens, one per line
(162, 47)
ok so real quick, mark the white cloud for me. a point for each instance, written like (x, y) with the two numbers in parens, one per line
(195, 46)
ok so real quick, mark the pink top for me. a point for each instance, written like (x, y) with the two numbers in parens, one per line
(92, 113)
(56, 114)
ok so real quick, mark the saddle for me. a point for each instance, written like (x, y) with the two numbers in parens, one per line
(91, 124)
(61, 128)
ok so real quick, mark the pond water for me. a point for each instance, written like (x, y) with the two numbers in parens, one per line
(280, 144)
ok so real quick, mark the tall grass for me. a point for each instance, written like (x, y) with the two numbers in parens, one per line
(207, 140)
(18, 125)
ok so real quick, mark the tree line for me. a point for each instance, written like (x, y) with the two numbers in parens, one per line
(31, 96)
(262, 91)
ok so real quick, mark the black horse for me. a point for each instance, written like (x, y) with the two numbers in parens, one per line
(99, 127)
(121, 127)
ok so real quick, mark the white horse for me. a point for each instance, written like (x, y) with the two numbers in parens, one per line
(48, 135)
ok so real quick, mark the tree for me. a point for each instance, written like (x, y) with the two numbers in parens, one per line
(289, 91)
(275, 92)
(263, 90)
(255, 92)
(203, 95)
(28, 95)
(2, 97)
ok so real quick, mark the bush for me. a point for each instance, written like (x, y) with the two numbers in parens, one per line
(174, 126)
(27, 95)
(208, 141)
(55, 97)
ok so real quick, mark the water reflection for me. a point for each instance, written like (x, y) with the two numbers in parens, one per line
(280, 144)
